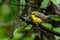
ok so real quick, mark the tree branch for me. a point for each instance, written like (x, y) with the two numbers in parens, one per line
(44, 28)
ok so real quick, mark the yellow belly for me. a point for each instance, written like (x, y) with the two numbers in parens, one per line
(36, 19)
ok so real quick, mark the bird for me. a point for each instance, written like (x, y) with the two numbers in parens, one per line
(35, 18)
(38, 17)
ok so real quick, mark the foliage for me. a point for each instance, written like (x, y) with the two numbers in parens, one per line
(45, 4)
(55, 18)
(47, 25)
(12, 27)
(57, 29)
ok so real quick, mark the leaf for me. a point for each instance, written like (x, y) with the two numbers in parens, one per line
(45, 38)
(57, 37)
(4, 38)
(17, 35)
(28, 27)
(56, 2)
(44, 4)
(56, 6)
(47, 25)
(22, 26)
(55, 18)
(28, 37)
(57, 29)
(31, 1)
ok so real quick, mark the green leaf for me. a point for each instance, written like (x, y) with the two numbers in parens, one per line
(4, 38)
(45, 38)
(55, 18)
(56, 2)
(17, 35)
(44, 4)
(31, 1)
(28, 37)
(47, 25)
(57, 37)
(57, 29)
(28, 27)
(22, 26)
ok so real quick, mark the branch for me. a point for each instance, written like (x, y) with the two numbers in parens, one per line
(44, 28)
(50, 31)
(27, 20)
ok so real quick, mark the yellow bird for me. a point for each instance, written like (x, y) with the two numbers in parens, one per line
(36, 19)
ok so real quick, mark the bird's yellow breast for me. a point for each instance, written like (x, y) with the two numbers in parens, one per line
(36, 19)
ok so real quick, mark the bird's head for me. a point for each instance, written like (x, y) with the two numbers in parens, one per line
(34, 13)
